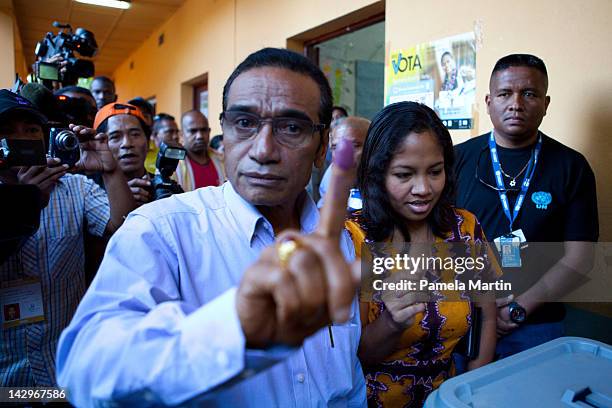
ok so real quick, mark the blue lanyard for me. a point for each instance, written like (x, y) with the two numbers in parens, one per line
(500, 182)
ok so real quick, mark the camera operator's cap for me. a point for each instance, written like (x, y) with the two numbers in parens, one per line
(113, 109)
(11, 103)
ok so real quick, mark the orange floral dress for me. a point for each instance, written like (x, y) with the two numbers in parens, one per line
(423, 359)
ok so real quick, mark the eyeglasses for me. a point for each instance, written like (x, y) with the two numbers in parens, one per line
(477, 176)
(289, 132)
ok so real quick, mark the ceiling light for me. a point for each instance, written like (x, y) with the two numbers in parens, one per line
(120, 4)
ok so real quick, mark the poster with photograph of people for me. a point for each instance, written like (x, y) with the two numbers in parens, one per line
(440, 74)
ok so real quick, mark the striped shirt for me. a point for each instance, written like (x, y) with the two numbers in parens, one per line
(55, 255)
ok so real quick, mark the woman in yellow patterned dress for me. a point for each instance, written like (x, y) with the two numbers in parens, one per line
(406, 181)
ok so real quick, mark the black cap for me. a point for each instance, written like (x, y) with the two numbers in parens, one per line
(13, 103)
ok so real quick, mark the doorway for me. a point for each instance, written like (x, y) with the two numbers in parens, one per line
(200, 97)
(353, 60)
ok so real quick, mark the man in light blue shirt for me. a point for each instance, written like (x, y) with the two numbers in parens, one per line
(223, 296)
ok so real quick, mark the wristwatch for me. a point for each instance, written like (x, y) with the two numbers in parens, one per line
(518, 314)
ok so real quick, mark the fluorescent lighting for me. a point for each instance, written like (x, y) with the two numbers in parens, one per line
(120, 4)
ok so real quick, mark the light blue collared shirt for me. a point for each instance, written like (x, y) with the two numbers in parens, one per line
(159, 325)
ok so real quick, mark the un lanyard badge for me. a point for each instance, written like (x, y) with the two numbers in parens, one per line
(510, 243)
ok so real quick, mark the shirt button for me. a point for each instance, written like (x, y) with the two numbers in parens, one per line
(300, 378)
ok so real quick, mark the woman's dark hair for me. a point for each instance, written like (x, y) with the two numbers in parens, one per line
(445, 54)
(388, 129)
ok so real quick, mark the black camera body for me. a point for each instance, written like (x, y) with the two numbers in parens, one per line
(167, 160)
(19, 152)
(66, 44)
(64, 145)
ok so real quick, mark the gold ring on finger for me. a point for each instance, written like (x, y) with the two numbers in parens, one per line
(285, 250)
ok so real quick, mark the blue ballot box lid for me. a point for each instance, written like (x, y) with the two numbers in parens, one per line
(569, 372)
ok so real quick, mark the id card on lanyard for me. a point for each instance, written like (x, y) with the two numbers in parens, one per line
(510, 243)
(21, 302)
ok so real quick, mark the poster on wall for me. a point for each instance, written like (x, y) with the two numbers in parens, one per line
(341, 78)
(440, 74)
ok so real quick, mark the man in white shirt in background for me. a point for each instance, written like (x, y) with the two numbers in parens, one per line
(199, 292)
(355, 130)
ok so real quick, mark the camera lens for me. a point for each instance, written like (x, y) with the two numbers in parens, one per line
(66, 140)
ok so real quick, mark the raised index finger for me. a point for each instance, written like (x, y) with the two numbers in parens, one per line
(342, 178)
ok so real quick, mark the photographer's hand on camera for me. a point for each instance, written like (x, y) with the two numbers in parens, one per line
(62, 67)
(59, 60)
(97, 157)
(45, 177)
(95, 154)
(141, 189)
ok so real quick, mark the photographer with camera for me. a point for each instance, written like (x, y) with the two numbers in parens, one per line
(128, 140)
(165, 130)
(47, 272)
(57, 63)
(168, 158)
(71, 104)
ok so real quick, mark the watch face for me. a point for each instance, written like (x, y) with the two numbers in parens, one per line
(517, 313)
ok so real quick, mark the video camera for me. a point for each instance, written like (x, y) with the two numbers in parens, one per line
(167, 160)
(74, 110)
(66, 43)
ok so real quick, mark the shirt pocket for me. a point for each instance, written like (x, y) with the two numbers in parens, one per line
(340, 361)
(61, 219)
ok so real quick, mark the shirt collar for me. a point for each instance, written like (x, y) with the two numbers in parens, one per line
(245, 213)
(310, 215)
(249, 219)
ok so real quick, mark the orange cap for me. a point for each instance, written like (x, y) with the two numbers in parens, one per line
(116, 108)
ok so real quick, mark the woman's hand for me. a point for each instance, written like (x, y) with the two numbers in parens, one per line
(401, 306)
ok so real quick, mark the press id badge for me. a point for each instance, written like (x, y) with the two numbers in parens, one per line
(21, 302)
(519, 233)
(510, 251)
